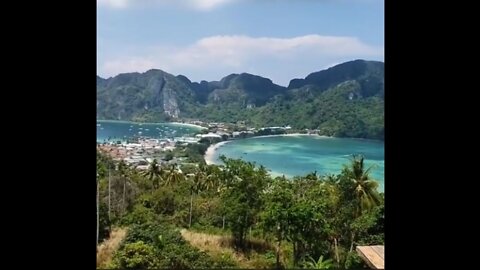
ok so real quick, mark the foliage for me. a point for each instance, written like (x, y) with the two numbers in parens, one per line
(242, 198)
(286, 220)
(319, 264)
(139, 215)
(105, 223)
(137, 255)
(344, 101)
(161, 246)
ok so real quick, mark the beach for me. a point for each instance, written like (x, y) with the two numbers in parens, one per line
(211, 151)
(186, 124)
(291, 135)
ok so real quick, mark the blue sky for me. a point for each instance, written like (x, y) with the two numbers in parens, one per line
(209, 39)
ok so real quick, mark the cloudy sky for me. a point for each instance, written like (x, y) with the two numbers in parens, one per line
(209, 39)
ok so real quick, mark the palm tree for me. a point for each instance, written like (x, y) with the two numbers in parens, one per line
(364, 188)
(154, 173)
(98, 208)
(174, 176)
(312, 176)
(197, 184)
(100, 173)
(211, 173)
(123, 169)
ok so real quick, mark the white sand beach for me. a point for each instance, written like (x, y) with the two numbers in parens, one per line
(292, 135)
(186, 124)
(211, 150)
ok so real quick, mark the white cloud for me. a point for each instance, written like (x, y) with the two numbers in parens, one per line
(280, 59)
(128, 65)
(203, 5)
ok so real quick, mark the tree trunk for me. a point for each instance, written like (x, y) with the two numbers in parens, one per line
(191, 205)
(278, 253)
(353, 238)
(98, 210)
(109, 188)
(223, 222)
(336, 250)
(124, 192)
(294, 253)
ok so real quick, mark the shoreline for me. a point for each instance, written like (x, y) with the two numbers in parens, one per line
(208, 156)
(149, 123)
(290, 135)
(186, 124)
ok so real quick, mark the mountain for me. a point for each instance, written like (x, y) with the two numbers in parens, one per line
(246, 89)
(153, 95)
(369, 74)
(346, 100)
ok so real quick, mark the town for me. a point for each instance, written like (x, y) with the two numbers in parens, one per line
(140, 151)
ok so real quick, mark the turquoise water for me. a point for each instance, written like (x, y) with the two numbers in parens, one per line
(120, 131)
(288, 155)
(300, 155)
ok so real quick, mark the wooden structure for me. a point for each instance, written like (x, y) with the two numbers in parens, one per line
(372, 255)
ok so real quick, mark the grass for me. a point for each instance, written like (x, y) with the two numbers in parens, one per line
(108, 247)
(221, 246)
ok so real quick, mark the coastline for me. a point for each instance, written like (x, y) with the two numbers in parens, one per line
(291, 135)
(149, 123)
(211, 151)
(186, 124)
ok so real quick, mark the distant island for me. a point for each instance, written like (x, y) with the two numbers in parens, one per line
(346, 100)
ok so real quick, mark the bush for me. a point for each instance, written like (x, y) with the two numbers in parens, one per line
(136, 255)
(161, 246)
(139, 215)
(266, 261)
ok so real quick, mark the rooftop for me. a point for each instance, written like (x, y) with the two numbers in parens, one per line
(372, 255)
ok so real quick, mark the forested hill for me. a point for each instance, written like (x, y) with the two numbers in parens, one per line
(346, 100)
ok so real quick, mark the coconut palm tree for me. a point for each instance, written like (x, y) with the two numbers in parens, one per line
(365, 188)
(154, 173)
(211, 173)
(98, 208)
(123, 170)
(174, 175)
(197, 184)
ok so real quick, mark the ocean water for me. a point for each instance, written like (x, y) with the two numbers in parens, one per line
(120, 131)
(300, 155)
(282, 155)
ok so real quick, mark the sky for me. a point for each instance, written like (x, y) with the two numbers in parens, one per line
(210, 39)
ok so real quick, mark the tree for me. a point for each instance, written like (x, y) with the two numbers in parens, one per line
(276, 217)
(364, 188)
(197, 184)
(102, 221)
(212, 175)
(123, 171)
(155, 173)
(173, 176)
(98, 209)
(243, 196)
(137, 255)
(359, 194)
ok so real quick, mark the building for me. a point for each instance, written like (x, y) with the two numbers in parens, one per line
(372, 255)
